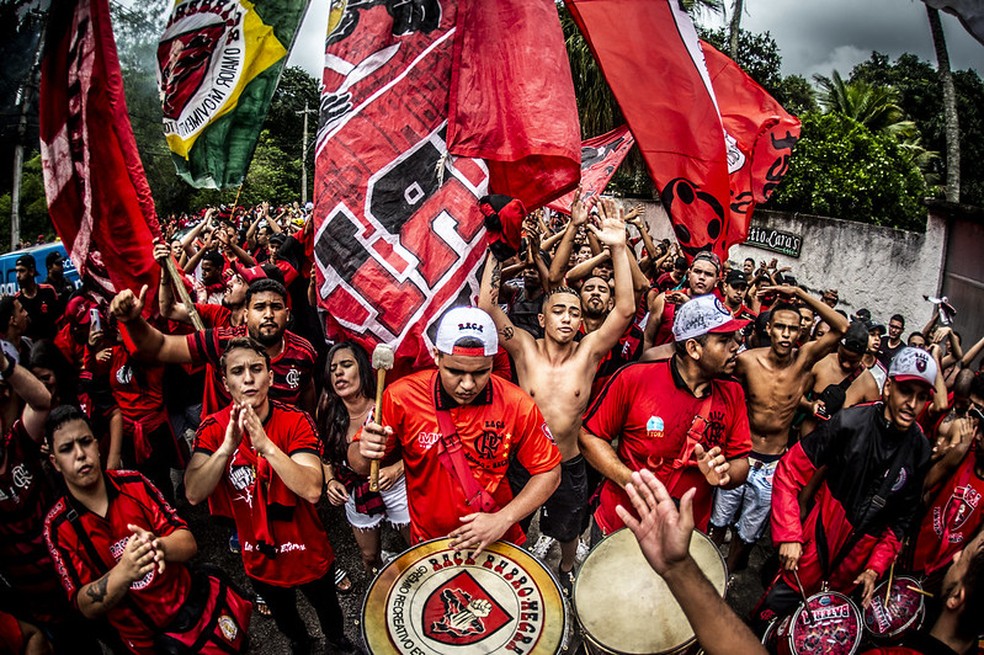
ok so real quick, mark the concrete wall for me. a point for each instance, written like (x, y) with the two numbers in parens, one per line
(886, 270)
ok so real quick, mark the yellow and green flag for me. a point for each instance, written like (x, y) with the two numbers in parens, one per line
(218, 64)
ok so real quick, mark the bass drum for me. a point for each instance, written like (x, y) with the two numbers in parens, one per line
(433, 601)
(625, 608)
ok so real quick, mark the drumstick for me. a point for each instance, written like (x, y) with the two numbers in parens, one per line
(382, 361)
(888, 592)
(806, 601)
(920, 591)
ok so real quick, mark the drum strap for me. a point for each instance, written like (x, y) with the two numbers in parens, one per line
(698, 427)
(877, 503)
(452, 458)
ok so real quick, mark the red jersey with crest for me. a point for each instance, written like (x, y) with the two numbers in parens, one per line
(951, 519)
(24, 500)
(84, 546)
(501, 424)
(292, 369)
(649, 409)
(303, 551)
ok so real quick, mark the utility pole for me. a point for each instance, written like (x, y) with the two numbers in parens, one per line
(304, 146)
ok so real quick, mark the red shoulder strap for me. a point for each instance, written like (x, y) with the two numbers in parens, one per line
(453, 460)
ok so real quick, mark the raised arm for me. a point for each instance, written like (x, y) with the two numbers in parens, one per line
(611, 232)
(579, 216)
(814, 351)
(36, 396)
(150, 342)
(513, 339)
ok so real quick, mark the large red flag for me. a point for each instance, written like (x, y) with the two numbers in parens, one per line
(600, 158)
(512, 99)
(759, 135)
(650, 55)
(98, 196)
(398, 233)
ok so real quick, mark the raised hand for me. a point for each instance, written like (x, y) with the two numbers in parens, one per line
(611, 226)
(234, 432)
(663, 532)
(251, 424)
(581, 209)
(126, 306)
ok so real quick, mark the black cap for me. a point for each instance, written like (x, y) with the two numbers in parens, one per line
(53, 258)
(27, 261)
(856, 339)
(736, 277)
(875, 326)
(863, 314)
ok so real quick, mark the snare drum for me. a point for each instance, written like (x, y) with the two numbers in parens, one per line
(432, 601)
(832, 627)
(624, 607)
(904, 613)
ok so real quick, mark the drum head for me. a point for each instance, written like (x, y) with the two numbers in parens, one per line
(624, 606)
(904, 612)
(832, 626)
(430, 601)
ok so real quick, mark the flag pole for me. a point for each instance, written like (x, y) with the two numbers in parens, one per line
(171, 270)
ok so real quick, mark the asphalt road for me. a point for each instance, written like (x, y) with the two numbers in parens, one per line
(267, 640)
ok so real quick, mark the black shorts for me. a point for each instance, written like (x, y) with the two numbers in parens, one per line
(565, 514)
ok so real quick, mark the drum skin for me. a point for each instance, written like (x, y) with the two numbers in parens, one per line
(904, 613)
(433, 601)
(625, 608)
(832, 627)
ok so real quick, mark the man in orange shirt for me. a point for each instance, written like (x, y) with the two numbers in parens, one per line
(457, 430)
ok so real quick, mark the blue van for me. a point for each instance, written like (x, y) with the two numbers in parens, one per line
(8, 261)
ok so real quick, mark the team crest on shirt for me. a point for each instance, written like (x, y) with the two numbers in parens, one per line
(242, 478)
(961, 504)
(293, 378)
(654, 427)
(125, 374)
(228, 627)
(900, 481)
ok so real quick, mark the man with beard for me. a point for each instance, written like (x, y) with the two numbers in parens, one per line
(291, 357)
(701, 279)
(557, 372)
(876, 459)
(596, 306)
(954, 489)
(774, 379)
(679, 417)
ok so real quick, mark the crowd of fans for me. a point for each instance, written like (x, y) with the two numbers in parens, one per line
(845, 444)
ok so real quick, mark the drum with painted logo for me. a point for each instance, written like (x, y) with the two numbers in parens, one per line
(904, 613)
(828, 623)
(625, 608)
(433, 601)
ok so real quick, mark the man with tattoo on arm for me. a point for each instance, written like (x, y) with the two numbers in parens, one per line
(557, 372)
(118, 546)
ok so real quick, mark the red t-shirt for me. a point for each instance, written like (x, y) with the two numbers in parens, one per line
(955, 514)
(293, 368)
(24, 501)
(132, 499)
(649, 408)
(213, 315)
(501, 424)
(138, 387)
(303, 551)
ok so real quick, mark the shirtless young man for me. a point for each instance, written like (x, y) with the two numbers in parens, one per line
(833, 377)
(775, 378)
(557, 372)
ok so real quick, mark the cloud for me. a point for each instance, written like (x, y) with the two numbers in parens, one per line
(309, 46)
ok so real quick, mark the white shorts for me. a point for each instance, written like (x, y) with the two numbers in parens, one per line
(754, 498)
(395, 502)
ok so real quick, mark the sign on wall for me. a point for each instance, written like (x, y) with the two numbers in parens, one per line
(784, 243)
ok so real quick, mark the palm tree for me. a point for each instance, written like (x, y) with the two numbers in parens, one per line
(877, 108)
(734, 28)
(949, 106)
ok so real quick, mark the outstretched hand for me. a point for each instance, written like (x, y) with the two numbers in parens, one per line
(611, 226)
(663, 532)
(713, 465)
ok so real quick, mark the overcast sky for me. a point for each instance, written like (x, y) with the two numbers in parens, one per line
(814, 36)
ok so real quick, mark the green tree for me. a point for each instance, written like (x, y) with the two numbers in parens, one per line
(33, 207)
(796, 95)
(841, 168)
(758, 55)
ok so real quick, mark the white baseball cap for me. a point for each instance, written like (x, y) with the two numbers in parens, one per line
(703, 315)
(913, 365)
(467, 322)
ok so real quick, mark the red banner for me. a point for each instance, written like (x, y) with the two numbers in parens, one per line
(398, 234)
(600, 158)
(512, 99)
(652, 44)
(759, 134)
(98, 196)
